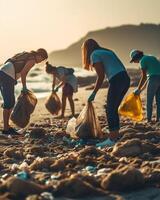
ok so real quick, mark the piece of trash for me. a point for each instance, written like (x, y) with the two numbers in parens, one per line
(23, 175)
(91, 168)
(47, 196)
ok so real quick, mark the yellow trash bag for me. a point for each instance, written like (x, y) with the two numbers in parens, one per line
(131, 107)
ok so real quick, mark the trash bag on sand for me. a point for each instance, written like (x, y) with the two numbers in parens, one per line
(131, 107)
(86, 126)
(24, 107)
(53, 104)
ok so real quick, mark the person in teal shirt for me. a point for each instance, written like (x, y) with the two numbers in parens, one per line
(150, 67)
(107, 65)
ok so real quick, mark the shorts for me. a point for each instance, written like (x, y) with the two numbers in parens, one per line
(67, 90)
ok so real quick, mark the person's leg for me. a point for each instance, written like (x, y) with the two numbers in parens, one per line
(158, 104)
(113, 103)
(112, 118)
(7, 90)
(71, 102)
(117, 89)
(6, 117)
(151, 92)
(116, 92)
(63, 105)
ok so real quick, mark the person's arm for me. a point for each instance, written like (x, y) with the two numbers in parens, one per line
(25, 71)
(142, 83)
(100, 77)
(142, 80)
(54, 82)
(144, 86)
(59, 85)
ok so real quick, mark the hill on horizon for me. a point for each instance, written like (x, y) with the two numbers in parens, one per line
(121, 39)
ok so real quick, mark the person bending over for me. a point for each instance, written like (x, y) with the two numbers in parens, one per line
(150, 70)
(106, 63)
(68, 82)
(14, 68)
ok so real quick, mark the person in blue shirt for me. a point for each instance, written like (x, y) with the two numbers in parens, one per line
(150, 68)
(106, 63)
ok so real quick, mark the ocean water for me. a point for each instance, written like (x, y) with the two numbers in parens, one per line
(41, 83)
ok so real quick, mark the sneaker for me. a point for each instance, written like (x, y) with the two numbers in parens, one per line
(4, 132)
(10, 131)
(108, 143)
(13, 131)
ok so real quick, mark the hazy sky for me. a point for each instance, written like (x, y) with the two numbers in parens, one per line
(55, 24)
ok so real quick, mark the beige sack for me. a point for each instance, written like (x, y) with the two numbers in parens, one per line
(53, 104)
(23, 109)
(86, 126)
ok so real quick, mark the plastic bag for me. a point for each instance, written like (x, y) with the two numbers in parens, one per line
(71, 126)
(131, 107)
(53, 104)
(23, 109)
(86, 126)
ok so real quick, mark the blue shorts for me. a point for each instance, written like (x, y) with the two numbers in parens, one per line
(7, 90)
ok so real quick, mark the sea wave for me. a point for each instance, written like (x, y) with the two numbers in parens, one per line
(41, 83)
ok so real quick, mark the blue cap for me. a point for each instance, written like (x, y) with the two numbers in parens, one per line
(135, 54)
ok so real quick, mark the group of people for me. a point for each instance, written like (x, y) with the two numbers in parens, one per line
(106, 64)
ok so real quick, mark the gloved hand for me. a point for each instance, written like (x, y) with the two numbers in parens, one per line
(137, 92)
(91, 97)
(56, 89)
(24, 90)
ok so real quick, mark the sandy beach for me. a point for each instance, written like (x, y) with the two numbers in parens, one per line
(75, 169)
(80, 99)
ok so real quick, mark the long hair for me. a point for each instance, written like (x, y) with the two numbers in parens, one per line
(87, 48)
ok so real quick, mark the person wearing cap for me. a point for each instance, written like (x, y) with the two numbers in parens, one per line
(14, 68)
(106, 63)
(150, 68)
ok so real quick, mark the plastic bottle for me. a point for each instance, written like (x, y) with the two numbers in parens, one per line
(91, 168)
(23, 175)
(47, 196)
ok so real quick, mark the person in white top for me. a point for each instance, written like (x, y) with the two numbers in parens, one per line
(14, 68)
(69, 82)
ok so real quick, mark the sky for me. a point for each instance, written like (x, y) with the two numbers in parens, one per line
(55, 24)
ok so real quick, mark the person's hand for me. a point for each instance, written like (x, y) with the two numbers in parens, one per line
(56, 89)
(137, 92)
(24, 90)
(91, 97)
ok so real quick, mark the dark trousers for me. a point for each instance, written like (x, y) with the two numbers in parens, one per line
(153, 90)
(7, 90)
(118, 86)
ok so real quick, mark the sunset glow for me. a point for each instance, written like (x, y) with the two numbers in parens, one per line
(55, 24)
